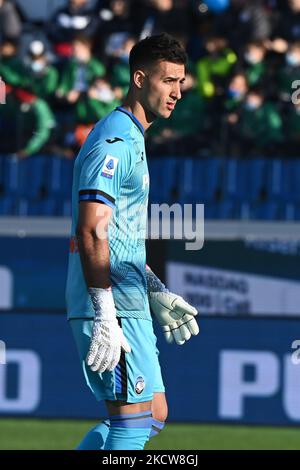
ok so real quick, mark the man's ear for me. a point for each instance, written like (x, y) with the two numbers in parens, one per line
(139, 78)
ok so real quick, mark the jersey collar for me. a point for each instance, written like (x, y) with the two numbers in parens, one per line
(132, 117)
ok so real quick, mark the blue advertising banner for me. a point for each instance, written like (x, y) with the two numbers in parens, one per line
(240, 370)
(33, 272)
(240, 277)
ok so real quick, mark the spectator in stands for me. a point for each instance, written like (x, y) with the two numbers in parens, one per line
(77, 18)
(288, 27)
(213, 69)
(80, 71)
(244, 21)
(27, 123)
(236, 93)
(10, 21)
(42, 76)
(292, 129)
(185, 132)
(11, 68)
(116, 25)
(259, 128)
(254, 62)
(100, 100)
(120, 75)
(289, 72)
(162, 16)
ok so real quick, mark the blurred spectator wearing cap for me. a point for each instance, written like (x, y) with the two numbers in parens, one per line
(77, 18)
(79, 72)
(289, 72)
(27, 123)
(259, 128)
(244, 21)
(10, 21)
(42, 76)
(185, 132)
(11, 67)
(213, 69)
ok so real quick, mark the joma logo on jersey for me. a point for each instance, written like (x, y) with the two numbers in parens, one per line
(145, 181)
(109, 167)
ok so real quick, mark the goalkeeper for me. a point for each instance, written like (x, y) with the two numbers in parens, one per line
(110, 290)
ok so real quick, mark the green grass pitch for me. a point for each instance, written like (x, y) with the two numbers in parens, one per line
(36, 434)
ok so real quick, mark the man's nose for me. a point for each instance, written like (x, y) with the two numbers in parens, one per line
(176, 92)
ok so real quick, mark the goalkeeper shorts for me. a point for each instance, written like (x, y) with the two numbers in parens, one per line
(137, 375)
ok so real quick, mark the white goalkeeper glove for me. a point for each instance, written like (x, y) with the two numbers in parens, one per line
(174, 314)
(107, 337)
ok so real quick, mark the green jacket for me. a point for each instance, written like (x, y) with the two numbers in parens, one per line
(121, 76)
(31, 124)
(264, 125)
(12, 71)
(187, 119)
(94, 68)
(45, 85)
(209, 67)
(89, 110)
(255, 73)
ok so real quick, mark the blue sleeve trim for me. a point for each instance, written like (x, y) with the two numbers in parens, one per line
(96, 196)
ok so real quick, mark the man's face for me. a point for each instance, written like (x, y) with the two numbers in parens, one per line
(162, 88)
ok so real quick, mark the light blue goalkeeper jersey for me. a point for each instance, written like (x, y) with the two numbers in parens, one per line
(111, 168)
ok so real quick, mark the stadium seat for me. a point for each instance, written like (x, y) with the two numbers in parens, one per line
(163, 180)
(269, 210)
(290, 211)
(221, 210)
(244, 180)
(25, 178)
(60, 174)
(65, 208)
(279, 180)
(199, 180)
(6, 205)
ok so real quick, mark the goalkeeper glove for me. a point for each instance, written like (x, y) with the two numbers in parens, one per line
(107, 337)
(174, 314)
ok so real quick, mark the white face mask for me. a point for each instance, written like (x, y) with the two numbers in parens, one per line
(37, 66)
(105, 94)
(251, 58)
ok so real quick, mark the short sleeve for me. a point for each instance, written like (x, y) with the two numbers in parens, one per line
(103, 172)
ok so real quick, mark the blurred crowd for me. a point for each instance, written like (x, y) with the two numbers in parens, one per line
(242, 91)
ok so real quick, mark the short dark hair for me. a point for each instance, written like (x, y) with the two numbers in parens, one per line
(153, 49)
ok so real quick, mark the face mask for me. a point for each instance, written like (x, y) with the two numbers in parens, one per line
(234, 93)
(37, 66)
(251, 59)
(105, 94)
(251, 106)
(291, 59)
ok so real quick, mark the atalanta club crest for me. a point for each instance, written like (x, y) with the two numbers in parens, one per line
(139, 385)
